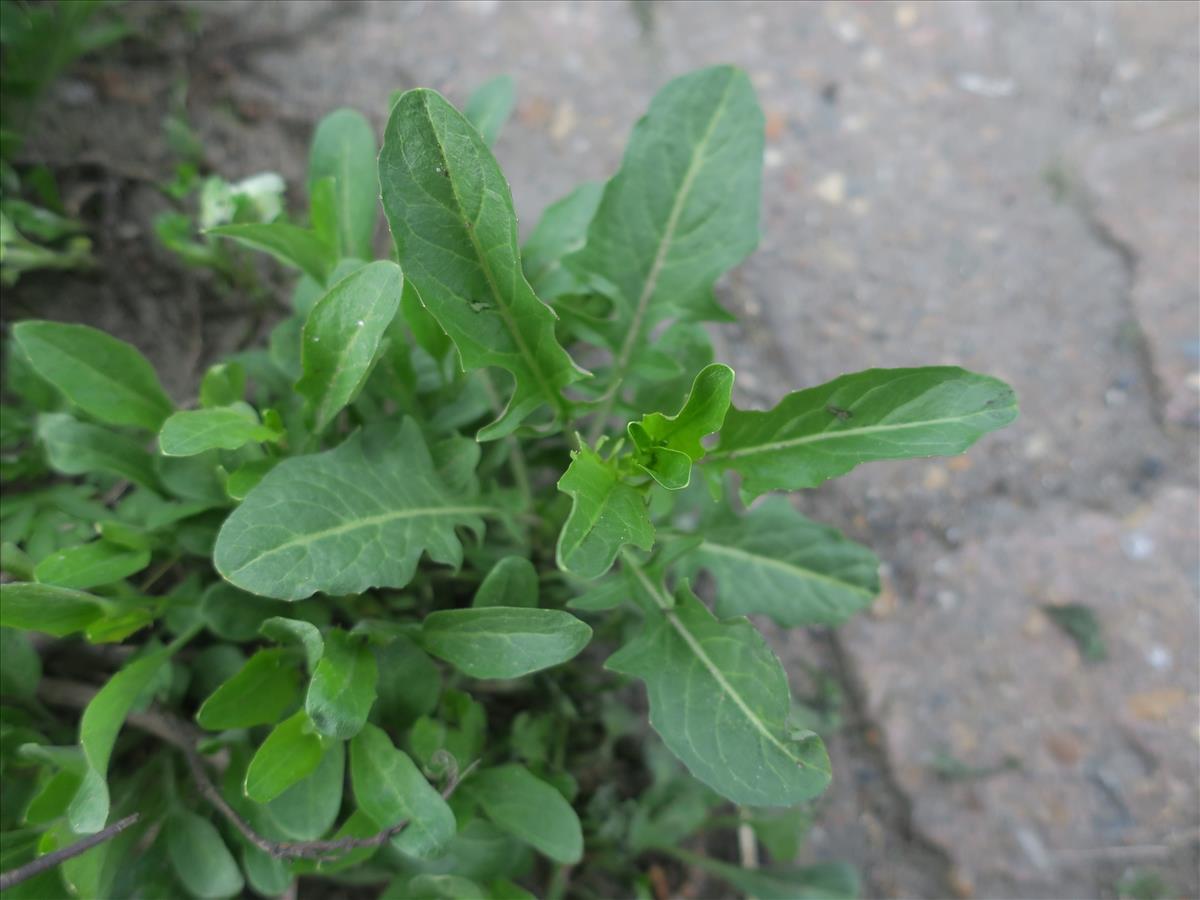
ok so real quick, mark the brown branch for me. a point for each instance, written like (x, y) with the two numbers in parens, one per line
(181, 735)
(44, 863)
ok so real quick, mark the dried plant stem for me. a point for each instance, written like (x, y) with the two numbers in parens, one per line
(44, 863)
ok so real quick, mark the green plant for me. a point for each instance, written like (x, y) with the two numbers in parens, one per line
(37, 43)
(350, 561)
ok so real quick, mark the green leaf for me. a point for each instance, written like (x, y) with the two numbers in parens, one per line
(682, 210)
(292, 751)
(20, 665)
(196, 431)
(668, 445)
(308, 809)
(200, 858)
(278, 628)
(774, 561)
(242, 480)
(489, 107)
(503, 642)
(343, 148)
(265, 874)
(561, 231)
(531, 810)
(606, 515)
(823, 881)
(345, 520)
(98, 730)
(341, 338)
(90, 565)
(342, 689)
(51, 610)
(512, 582)
(79, 448)
(720, 700)
(436, 887)
(104, 377)
(409, 683)
(825, 431)
(1080, 623)
(223, 385)
(235, 615)
(425, 329)
(265, 688)
(290, 244)
(451, 214)
(390, 789)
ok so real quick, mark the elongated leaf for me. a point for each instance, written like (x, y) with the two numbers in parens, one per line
(451, 214)
(106, 378)
(56, 611)
(200, 858)
(343, 148)
(503, 642)
(20, 664)
(354, 517)
(490, 105)
(560, 231)
(342, 689)
(823, 881)
(98, 730)
(776, 562)
(341, 338)
(308, 809)
(265, 688)
(682, 210)
(607, 514)
(290, 244)
(196, 431)
(391, 789)
(409, 683)
(512, 582)
(720, 700)
(90, 565)
(79, 448)
(668, 445)
(291, 752)
(825, 431)
(222, 385)
(528, 808)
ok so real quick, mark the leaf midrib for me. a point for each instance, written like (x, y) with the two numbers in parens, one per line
(791, 568)
(771, 446)
(714, 670)
(311, 537)
(510, 323)
(621, 362)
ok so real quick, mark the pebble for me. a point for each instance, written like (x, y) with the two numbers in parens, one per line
(832, 188)
(1138, 545)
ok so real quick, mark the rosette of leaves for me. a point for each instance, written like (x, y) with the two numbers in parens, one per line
(330, 619)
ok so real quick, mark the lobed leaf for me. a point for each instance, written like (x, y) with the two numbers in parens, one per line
(825, 431)
(341, 338)
(503, 642)
(668, 445)
(606, 515)
(345, 520)
(720, 700)
(452, 217)
(775, 562)
(105, 377)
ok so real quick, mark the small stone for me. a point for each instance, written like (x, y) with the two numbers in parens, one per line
(905, 15)
(1159, 658)
(776, 125)
(832, 188)
(947, 599)
(1155, 706)
(1035, 624)
(1064, 747)
(959, 463)
(1137, 545)
(936, 478)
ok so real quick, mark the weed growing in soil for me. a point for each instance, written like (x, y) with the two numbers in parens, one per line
(375, 607)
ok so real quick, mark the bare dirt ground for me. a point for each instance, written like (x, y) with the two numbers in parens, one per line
(1007, 186)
